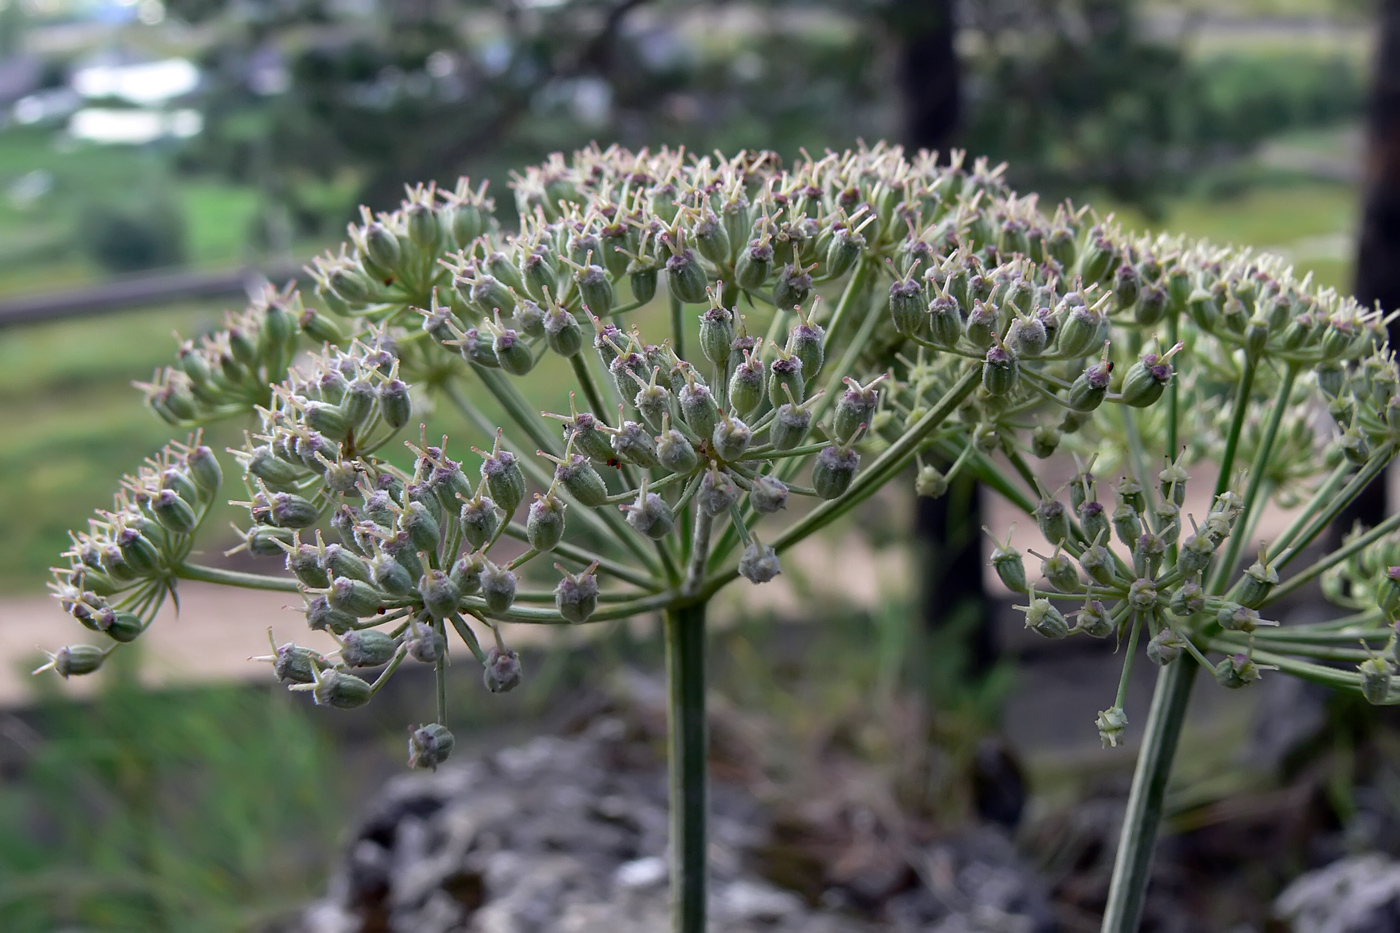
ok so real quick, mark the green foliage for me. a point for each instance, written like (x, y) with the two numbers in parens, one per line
(134, 234)
(192, 811)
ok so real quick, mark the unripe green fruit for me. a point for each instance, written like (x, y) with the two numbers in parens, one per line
(651, 516)
(833, 470)
(75, 660)
(1094, 620)
(790, 425)
(908, 307)
(354, 597)
(391, 576)
(699, 409)
(1059, 570)
(944, 322)
(1236, 671)
(793, 286)
(498, 587)
(368, 648)
(982, 326)
(293, 664)
(439, 593)
(643, 284)
(1081, 331)
(292, 511)
(754, 265)
(340, 690)
(686, 278)
(562, 332)
(731, 438)
(806, 342)
(1376, 676)
(138, 552)
(512, 353)
(843, 251)
(633, 444)
(205, 470)
(576, 597)
(1027, 337)
(582, 481)
(1044, 619)
(504, 479)
(676, 453)
(1053, 520)
(759, 563)
(746, 387)
(173, 513)
(1165, 647)
(544, 525)
(1000, 371)
(786, 371)
(429, 746)
(716, 334)
(768, 495)
(1146, 381)
(394, 403)
(382, 248)
(502, 670)
(118, 624)
(1010, 567)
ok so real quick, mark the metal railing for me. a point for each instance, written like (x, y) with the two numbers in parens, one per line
(146, 290)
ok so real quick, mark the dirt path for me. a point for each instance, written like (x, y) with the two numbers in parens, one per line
(219, 628)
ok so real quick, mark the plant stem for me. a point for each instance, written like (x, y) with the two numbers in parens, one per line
(1257, 473)
(249, 581)
(607, 524)
(677, 326)
(688, 747)
(1331, 560)
(585, 557)
(1232, 440)
(1132, 867)
(590, 388)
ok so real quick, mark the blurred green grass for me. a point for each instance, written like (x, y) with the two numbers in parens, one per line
(192, 811)
(1309, 222)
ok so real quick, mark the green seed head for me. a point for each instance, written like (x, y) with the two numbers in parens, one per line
(429, 746)
(502, 670)
(368, 648)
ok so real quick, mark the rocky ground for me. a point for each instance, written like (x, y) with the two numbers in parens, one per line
(568, 833)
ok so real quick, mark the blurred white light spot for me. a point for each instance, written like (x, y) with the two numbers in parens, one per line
(150, 12)
(132, 127)
(440, 64)
(146, 83)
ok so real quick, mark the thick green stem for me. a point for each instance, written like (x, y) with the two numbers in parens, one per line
(688, 748)
(1133, 865)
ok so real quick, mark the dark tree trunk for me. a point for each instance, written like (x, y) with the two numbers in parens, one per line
(1378, 252)
(947, 527)
(928, 71)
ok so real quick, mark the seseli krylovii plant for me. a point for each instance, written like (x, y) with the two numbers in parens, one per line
(961, 330)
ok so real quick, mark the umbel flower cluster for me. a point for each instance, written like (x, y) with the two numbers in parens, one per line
(731, 355)
(1287, 410)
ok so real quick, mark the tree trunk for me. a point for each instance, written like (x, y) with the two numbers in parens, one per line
(1378, 251)
(929, 88)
